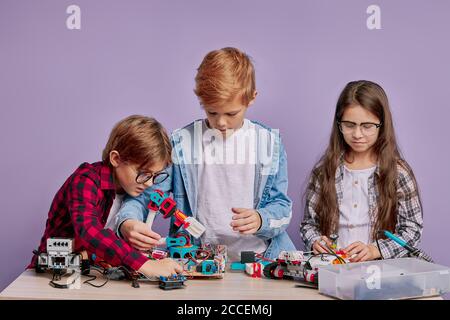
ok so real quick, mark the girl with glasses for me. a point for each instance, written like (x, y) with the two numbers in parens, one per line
(362, 185)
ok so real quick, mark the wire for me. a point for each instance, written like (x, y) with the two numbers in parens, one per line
(92, 278)
(261, 257)
(200, 251)
(422, 255)
(331, 251)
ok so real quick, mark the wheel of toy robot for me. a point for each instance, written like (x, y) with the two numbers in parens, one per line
(279, 271)
(311, 276)
(269, 270)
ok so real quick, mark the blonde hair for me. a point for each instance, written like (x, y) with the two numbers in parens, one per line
(224, 74)
(139, 140)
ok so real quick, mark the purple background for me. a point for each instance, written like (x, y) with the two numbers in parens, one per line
(61, 90)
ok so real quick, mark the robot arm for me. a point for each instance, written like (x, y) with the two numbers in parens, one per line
(168, 207)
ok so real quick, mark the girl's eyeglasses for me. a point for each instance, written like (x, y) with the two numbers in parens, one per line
(367, 128)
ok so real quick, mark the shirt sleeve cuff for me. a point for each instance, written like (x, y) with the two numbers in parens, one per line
(135, 260)
(118, 233)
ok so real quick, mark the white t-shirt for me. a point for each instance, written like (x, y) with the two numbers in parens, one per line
(226, 180)
(354, 220)
(112, 217)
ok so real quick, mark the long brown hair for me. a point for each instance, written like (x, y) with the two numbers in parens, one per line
(371, 97)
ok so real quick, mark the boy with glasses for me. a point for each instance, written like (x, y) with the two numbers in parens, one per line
(135, 155)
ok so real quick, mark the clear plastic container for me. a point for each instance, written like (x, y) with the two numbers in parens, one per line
(384, 279)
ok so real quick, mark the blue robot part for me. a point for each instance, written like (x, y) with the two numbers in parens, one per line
(157, 198)
(175, 242)
(182, 252)
(208, 267)
(237, 266)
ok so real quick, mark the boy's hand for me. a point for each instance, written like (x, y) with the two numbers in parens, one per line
(359, 252)
(246, 221)
(165, 267)
(319, 246)
(139, 235)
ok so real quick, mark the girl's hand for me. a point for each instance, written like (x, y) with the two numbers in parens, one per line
(359, 252)
(246, 221)
(319, 246)
(165, 267)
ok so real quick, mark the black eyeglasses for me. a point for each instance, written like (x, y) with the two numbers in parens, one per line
(367, 128)
(143, 177)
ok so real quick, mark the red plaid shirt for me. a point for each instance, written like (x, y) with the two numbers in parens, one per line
(80, 209)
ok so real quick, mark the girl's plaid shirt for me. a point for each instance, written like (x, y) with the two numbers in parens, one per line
(409, 212)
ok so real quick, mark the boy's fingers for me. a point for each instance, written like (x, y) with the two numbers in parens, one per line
(139, 245)
(243, 221)
(178, 268)
(243, 214)
(251, 231)
(238, 223)
(246, 227)
(144, 239)
(153, 235)
(239, 210)
(146, 231)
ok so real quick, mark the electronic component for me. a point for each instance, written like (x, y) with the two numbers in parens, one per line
(247, 256)
(204, 261)
(66, 265)
(172, 282)
(59, 256)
